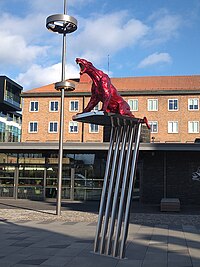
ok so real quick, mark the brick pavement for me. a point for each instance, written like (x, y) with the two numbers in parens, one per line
(39, 239)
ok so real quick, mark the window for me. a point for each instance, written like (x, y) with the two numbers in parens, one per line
(96, 108)
(53, 106)
(73, 127)
(34, 106)
(193, 104)
(33, 127)
(93, 128)
(74, 105)
(133, 103)
(154, 126)
(172, 127)
(193, 126)
(172, 104)
(53, 127)
(152, 104)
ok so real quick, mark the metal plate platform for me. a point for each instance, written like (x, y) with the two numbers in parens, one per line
(104, 118)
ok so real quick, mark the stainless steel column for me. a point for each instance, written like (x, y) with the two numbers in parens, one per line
(126, 130)
(130, 191)
(119, 179)
(113, 222)
(110, 188)
(123, 192)
(104, 189)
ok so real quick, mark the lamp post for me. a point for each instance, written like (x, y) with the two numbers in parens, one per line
(62, 24)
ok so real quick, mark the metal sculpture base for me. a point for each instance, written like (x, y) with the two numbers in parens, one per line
(119, 179)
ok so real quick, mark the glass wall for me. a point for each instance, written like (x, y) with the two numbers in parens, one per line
(34, 175)
(31, 182)
(7, 174)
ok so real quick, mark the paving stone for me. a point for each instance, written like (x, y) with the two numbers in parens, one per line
(129, 263)
(60, 242)
(19, 244)
(57, 261)
(33, 262)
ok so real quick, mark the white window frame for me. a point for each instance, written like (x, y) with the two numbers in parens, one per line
(172, 130)
(29, 127)
(53, 101)
(133, 103)
(151, 123)
(173, 108)
(70, 103)
(192, 104)
(35, 110)
(54, 123)
(153, 106)
(73, 124)
(191, 126)
(96, 128)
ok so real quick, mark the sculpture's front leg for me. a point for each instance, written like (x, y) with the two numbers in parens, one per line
(106, 92)
(91, 104)
(94, 100)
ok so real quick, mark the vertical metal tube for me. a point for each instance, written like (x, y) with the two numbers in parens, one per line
(65, 6)
(165, 175)
(116, 192)
(59, 191)
(110, 189)
(103, 194)
(130, 190)
(61, 130)
(44, 183)
(120, 213)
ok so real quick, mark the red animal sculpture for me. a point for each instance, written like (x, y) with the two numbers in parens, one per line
(103, 91)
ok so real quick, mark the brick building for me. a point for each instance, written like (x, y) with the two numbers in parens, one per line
(171, 104)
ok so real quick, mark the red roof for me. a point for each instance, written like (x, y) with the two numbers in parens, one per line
(148, 83)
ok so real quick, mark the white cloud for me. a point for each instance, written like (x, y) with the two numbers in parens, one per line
(37, 75)
(164, 27)
(154, 59)
(27, 47)
(108, 33)
(14, 50)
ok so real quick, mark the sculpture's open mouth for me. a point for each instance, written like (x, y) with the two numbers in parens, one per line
(81, 67)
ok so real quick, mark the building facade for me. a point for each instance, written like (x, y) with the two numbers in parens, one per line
(10, 108)
(170, 103)
(30, 171)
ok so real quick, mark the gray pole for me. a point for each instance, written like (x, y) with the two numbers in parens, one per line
(61, 130)
(62, 24)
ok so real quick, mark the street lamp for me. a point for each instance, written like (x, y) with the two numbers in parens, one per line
(62, 24)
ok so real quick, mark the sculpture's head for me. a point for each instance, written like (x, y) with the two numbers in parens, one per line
(84, 65)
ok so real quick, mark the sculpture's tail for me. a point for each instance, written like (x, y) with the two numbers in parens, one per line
(144, 120)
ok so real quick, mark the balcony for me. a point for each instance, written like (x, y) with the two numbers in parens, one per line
(10, 95)
(12, 99)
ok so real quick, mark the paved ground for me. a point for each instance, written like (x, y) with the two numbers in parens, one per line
(32, 235)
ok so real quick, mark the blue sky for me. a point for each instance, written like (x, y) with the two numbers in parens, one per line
(139, 37)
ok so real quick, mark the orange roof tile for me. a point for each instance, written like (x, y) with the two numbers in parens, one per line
(148, 83)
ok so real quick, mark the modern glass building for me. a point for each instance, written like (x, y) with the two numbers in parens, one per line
(10, 110)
